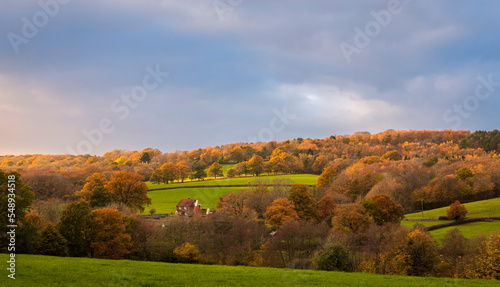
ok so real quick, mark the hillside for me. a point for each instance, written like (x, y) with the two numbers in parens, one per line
(483, 208)
(36, 270)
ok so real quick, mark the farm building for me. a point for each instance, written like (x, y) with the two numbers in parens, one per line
(186, 206)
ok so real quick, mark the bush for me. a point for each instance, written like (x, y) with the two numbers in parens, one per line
(333, 257)
(456, 211)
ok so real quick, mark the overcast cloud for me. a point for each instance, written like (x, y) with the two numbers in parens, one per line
(240, 71)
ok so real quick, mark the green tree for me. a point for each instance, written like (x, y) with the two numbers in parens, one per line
(231, 173)
(74, 226)
(145, 157)
(16, 202)
(52, 242)
(304, 202)
(215, 170)
(334, 257)
(198, 171)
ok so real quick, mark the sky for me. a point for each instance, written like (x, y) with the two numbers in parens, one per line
(87, 77)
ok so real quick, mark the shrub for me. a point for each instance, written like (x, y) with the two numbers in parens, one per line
(456, 211)
(333, 257)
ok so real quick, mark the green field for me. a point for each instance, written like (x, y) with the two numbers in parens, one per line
(468, 230)
(37, 270)
(297, 178)
(483, 208)
(164, 201)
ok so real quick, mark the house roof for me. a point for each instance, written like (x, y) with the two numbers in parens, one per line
(186, 203)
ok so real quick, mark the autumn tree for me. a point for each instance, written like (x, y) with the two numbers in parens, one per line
(383, 209)
(391, 155)
(487, 266)
(188, 253)
(421, 252)
(129, 189)
(231, 204)
(237, 154)
(256, 165)
(456, 211)
(168, 172)
(326, 207)
(304, 202)
(351, 217)
(215, 170)
(280, 211)
(52, 242)
(278, 160)
(325, 178)
(157, 176)
(75, 226)
(108, 237)
(183, 170)
(412, 254)
(95, 190)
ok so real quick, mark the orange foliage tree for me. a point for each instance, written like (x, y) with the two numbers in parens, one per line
(351, 217)
(108, 237)
(456, 211)
(280, 211)
(325, 178)
(304, 202)
(128, 188)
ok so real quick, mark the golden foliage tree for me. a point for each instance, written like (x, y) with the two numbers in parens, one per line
(280, 211)
(304, 202)
(383, 209)
(325, 178)
(128, 188)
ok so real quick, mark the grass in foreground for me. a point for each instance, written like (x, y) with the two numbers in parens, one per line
(36, 270)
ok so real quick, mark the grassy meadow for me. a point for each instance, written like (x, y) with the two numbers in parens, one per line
(483, 208)
(37, 270)
(164, 201)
